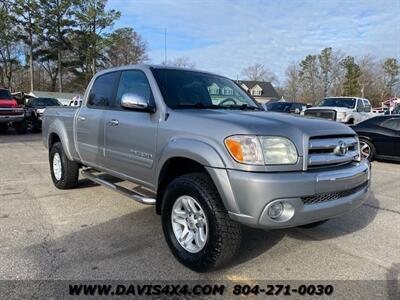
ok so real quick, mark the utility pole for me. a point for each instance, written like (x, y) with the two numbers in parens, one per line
(165, 46)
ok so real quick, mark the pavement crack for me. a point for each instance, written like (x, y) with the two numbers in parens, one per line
(381, 208)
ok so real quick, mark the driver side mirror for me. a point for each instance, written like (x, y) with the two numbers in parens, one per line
(136, 102)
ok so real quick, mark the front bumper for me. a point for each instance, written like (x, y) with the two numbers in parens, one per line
(12, 118)
(344, 187)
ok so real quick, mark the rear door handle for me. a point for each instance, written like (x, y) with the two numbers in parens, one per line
(80, 118)
(113, 122)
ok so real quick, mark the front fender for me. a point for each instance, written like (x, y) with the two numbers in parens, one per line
(196, 150)
(207, 156)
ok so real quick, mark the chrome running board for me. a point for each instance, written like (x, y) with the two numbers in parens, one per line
(134, 195)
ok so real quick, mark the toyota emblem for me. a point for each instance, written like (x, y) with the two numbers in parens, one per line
(341, 149)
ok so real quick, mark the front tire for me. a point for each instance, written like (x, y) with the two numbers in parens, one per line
(21, 127)
(3, 128)
(185, 198)
(367, 149)
(64, 172)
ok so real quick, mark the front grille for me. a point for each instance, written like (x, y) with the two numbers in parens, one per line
(328, 114)
(323, 197)
(326, 151)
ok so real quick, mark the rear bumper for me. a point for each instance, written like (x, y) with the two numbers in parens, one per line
(7, 119)
(345, 188)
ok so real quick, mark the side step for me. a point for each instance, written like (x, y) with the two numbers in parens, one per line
(88, 173)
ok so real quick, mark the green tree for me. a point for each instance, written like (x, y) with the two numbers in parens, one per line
(27, 15)
(56, 24)
(351, 85)
(9, 46)
(310, 78)
(93, 19)
(325, 62)
(391, 70)
(126, 47)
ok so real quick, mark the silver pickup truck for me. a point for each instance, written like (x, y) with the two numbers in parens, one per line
(206, 155)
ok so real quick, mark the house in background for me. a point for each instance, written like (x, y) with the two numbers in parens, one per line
(262, 91)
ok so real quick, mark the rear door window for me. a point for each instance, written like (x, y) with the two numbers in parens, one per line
(367, 106)
(101, 94)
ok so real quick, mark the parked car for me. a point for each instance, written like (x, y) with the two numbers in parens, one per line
(209, 165)
(380, 137)
(35, 108)
(287, 107)
(11, 113)
(348, 110)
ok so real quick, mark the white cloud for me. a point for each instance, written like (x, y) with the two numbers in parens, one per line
(226, 36)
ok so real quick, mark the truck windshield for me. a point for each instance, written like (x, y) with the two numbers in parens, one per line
(279, 106)
(43, 102)
(5, 94)
(191, 89)
(339, 102)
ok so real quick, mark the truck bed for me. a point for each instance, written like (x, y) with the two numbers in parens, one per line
(62, 120)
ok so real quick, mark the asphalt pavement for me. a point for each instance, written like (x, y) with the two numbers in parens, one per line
(91, 232)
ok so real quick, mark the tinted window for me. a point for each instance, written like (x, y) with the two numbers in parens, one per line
(367, 106)
(393, 123)
(279, 106)
(134, 82)
(5, 94)
(360, 105)
(43, 102)
(186, 89)
(102, 90)
(339, 102)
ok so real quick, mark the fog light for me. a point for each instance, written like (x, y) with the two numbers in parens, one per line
(275, 210)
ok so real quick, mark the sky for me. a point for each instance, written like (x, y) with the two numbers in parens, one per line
(225, 36)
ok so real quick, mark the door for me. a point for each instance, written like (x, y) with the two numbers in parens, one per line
(130, 135)
(388, 142)
(90, 120)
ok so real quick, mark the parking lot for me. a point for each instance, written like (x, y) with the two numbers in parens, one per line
(92, 233)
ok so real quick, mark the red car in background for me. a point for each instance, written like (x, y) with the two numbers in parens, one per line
(11, 114)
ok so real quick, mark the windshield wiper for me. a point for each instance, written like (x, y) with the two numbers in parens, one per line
(244, 107)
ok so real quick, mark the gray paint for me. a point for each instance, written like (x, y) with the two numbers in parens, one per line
(138, 147)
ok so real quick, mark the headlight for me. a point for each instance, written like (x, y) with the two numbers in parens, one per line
(40, 110)
(260, 150)
(341, 115)
(245, 149)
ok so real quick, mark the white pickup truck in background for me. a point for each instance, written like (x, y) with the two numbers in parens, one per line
(348, 110)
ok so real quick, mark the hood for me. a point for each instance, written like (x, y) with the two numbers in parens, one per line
(8, 103)
(219, 124)
(336, 108)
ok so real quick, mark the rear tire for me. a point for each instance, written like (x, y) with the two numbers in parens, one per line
(367, 149)
(313, 225)
(64, 172)
(223, 236)
(21, 127)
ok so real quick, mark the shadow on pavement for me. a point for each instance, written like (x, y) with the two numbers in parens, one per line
(134, 245)
(348, 223)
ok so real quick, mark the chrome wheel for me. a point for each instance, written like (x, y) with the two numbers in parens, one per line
(189, 224)
(57, 166)
(365, 150)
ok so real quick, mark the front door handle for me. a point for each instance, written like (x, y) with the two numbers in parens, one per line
(80, 118)
(113, 122)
